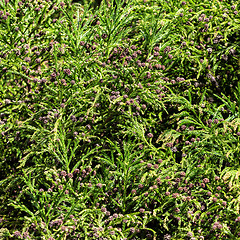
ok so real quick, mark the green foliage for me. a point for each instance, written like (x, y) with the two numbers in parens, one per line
(119, 119)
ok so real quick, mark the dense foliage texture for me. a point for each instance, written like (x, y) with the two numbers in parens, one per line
(119, 119)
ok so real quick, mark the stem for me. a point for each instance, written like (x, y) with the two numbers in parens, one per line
(124, 193)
